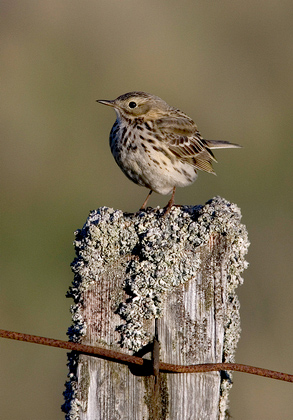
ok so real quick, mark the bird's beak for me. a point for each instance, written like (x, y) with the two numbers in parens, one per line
(108, 103)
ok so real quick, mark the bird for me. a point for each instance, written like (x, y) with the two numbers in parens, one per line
(158, 146)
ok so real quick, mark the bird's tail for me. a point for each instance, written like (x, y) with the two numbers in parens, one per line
(221, 144)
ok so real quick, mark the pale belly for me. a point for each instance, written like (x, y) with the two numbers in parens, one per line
(153, 168)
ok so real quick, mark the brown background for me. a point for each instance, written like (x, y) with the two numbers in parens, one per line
(229, 65)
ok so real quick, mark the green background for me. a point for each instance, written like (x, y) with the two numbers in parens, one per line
(227, 64)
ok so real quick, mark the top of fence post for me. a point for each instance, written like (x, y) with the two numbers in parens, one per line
(182, 270)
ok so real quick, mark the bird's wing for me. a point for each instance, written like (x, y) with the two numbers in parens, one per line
(177, 124)
(185, 142)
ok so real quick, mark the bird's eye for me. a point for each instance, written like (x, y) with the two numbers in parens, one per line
(132, 104)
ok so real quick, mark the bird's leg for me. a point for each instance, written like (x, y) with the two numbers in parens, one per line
(170, 203)
(146, 200)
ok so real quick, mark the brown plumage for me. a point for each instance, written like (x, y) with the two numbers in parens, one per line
(158, 146)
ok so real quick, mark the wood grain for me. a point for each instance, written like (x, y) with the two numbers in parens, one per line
(182, 270)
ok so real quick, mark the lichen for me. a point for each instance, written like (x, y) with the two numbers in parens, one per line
(160, 257)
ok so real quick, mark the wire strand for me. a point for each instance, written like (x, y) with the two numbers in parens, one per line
(123, 358)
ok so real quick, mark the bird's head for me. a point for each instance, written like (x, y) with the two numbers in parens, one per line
(134, 105)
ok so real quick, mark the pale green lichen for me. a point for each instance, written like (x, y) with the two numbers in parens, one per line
(162, 258)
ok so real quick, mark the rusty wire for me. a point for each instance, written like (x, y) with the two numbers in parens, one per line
(123, 358)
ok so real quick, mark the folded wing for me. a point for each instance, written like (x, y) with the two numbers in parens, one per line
(185, 142)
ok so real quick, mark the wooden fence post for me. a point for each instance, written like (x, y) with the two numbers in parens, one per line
(182, 270)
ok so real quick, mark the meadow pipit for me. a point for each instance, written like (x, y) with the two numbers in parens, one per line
(158, 146)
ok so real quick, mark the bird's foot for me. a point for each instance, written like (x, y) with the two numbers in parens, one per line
(146, 200)
(168, 207)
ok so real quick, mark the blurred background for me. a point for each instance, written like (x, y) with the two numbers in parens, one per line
(228, 65)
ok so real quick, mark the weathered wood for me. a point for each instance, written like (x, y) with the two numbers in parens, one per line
(182, 270)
